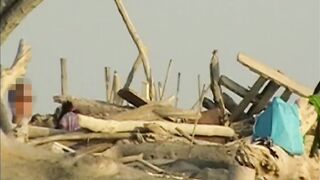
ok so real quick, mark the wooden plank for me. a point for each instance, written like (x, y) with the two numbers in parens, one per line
(267, 94)
(64, 77)
(235, 87)
(286, 95)
(275, 75)
(107, 73)
(132, 97)
(246, 100)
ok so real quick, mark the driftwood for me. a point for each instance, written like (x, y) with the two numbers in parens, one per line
(9, 77)
(95, 108)
(134, 68)
(12, 13)
(178, 89)
(139, 44)
(112, 126)
(79, 136)
(35, 131)
(116, 99)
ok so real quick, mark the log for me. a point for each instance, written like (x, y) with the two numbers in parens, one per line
(13, 14)
(113, 126)
(95, 108)
(115, 88)
(79, 136)
(134, 68)
(35, 131)
(208, 104)
(64, 77)
(139, 44)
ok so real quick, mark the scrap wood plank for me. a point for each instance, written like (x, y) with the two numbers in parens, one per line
(247, 99)
(273, 74)
(132, 97)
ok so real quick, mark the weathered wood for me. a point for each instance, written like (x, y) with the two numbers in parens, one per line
(266, 95)
(214, 83)
(208, 104)
(95, 108)
(235, 87)
(107, 74)
(273, 74)
(9, 78)
(13, 14)
(134, 68)
(35, 131)
(246, 100)
(145, 90)
(178, 88)
(115, 88)
(139, 44)
(64, 77)
(79, 136)
(165, 80)
(132, 97)
(286, 95)
(230, 104)
(112, 126)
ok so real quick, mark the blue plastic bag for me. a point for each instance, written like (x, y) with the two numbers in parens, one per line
(281, 123)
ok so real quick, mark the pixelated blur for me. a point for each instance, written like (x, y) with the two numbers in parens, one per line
(20, 100)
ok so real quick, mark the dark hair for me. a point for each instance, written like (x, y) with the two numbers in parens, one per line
(66, 107)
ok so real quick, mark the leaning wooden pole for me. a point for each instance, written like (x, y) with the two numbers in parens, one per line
(138, 42)
(165, 80)
(215, 87)
(64, 77)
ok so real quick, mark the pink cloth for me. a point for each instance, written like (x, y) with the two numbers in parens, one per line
(70, 122)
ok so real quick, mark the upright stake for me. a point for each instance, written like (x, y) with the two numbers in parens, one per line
(165, 80)
(64, 77)
(107, 74)
(178, 89)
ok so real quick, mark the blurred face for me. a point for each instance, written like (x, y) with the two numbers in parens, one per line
(20, 100)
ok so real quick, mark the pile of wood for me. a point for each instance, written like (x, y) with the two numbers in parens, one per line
(146, 136)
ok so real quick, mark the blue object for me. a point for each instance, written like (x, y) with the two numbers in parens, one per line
(281, 123)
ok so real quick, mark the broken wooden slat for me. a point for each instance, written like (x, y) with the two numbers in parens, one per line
(208, 103)
(275, 75)
(132, 97)
(107, 74)
(235, 87)
(246, 100)
(266, 95)
(286, 95)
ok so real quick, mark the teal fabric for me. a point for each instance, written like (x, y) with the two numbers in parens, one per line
(281, 123)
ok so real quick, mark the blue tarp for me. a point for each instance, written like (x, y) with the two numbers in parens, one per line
(281, 123)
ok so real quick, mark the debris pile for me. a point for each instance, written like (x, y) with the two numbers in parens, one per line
(146, 136)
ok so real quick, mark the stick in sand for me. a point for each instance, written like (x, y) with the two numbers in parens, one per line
(178, 89)
(165, 80)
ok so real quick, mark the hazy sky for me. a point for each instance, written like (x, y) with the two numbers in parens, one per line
(91, 35)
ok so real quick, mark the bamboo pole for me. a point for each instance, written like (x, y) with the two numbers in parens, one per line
(178, 89)
(64, 76)
(134, 68)
(107, 73)
(165, 80)
(139, 44)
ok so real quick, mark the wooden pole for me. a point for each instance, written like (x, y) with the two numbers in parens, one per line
(215, 87)
(165, 80)
(178, 89)
(107, 73)
(64, 77)
(139, 44)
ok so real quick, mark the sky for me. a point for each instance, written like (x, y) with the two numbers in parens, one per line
(91, 35)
